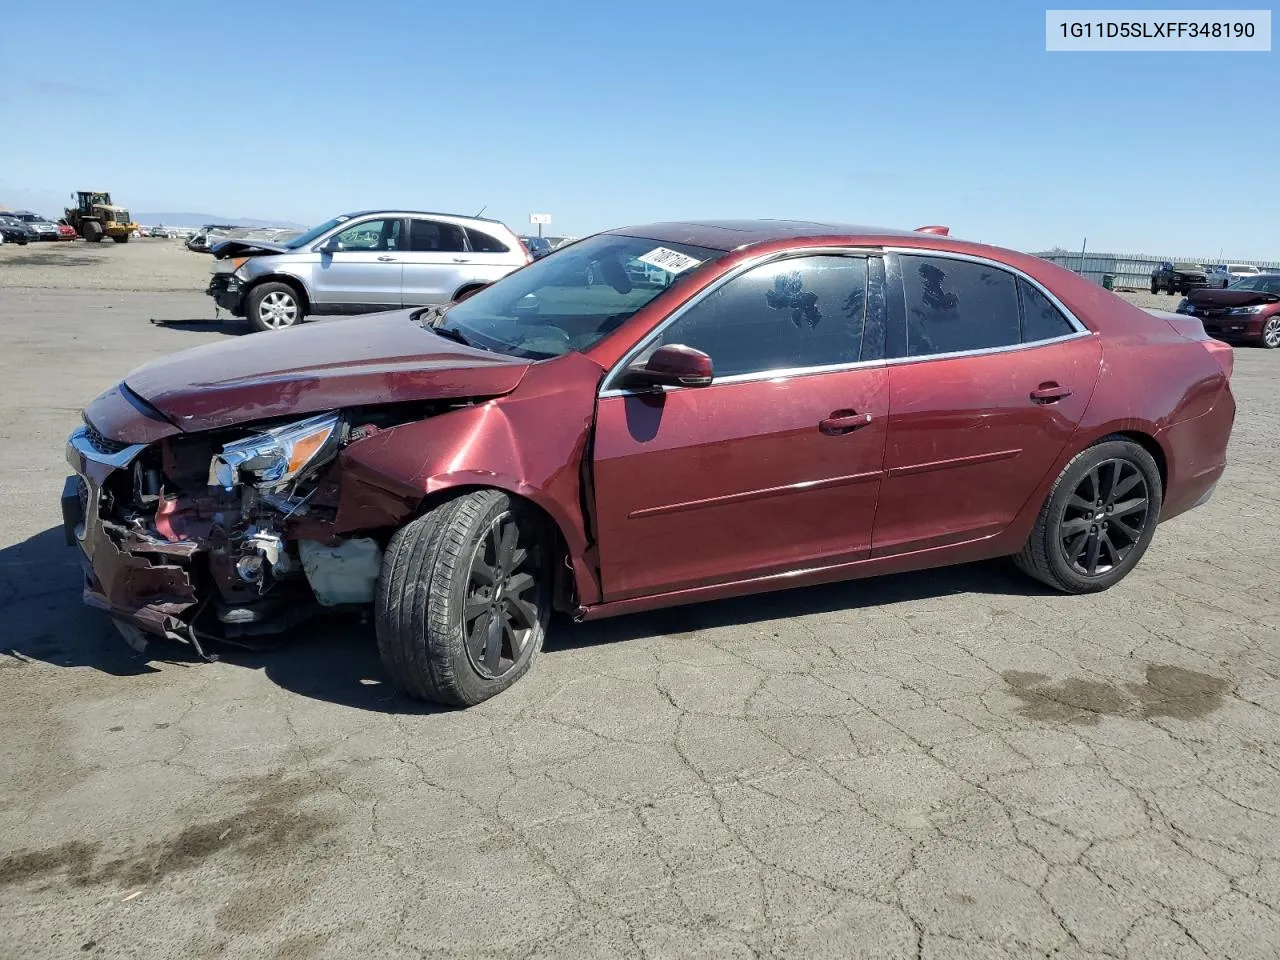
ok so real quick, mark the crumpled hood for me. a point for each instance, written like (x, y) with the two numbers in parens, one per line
(224, 247)
(372, 359)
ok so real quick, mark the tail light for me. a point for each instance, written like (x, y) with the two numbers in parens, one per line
(1223, 353)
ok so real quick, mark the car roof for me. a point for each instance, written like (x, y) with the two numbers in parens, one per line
(731, 234)
(419, 213)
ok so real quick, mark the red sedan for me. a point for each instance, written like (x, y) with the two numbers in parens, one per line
(650, 416)
(66, 231)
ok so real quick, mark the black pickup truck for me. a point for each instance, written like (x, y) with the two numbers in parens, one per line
(1178, 277)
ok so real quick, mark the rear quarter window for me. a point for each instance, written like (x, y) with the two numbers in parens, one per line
(482, 242)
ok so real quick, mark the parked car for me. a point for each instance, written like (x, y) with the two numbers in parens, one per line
(361, 263)
(1178, 277)
(66, 231)
(793, 403)
(159, 231)
(1247, 310)
(538, 247)
(15, 231)
(1224, 274)
(41, 229)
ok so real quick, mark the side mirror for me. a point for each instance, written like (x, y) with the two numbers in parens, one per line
(673, 365)
(331, 246)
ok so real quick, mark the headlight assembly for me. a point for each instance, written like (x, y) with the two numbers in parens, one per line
(1245, 311)
(276, 457)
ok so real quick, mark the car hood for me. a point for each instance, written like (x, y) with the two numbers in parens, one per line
(236, 247)
(1231, 298)
(373, 359)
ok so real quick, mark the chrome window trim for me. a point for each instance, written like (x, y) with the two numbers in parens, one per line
(988, 262)
(1079, 329)
(792, 253)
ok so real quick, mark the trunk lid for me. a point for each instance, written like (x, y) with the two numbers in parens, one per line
(373, 359)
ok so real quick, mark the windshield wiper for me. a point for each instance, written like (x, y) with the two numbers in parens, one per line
(452, 333)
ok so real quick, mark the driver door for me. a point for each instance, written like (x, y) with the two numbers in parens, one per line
(776, 465)
(366, 273)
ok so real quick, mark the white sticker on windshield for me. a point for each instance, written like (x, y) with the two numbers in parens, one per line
(672, 261)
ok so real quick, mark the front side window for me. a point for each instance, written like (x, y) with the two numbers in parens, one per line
(434, 236)
(954, 306)
(573, 297)
(788, 314)
(371, 235)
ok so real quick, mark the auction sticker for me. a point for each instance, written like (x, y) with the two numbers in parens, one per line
(672, 261)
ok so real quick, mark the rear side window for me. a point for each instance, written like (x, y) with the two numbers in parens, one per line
(793, 313)
(954, 305)
(484, 243)
(1041, 320)
(431, 236)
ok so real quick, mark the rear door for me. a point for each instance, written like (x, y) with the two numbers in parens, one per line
(365, 273)
(773, 467)
(437, 262)
(988, 380)
(493, 255)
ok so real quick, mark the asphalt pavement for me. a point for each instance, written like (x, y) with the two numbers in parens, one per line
(952, 764)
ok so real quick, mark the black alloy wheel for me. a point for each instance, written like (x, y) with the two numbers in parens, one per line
(1104, 517)
(500, 613)
(1098, 519)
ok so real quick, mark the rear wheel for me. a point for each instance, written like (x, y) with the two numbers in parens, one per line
(92, 231)
(274, 306)
(1097, 521)
(464, 598)
(123, 238)
(1271, 333)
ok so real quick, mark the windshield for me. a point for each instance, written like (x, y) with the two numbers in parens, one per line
(1262, 283)
(314, 233)
(572, 297)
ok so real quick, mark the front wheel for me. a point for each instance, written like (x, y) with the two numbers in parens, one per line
(274, 306)
(464, 598)
(92, 231)
(1270, 338)
(1098, 519)
(1155, 287)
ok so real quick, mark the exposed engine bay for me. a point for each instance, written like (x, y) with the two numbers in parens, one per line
(230, 534)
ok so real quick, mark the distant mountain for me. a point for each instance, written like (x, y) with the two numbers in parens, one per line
(200, 219)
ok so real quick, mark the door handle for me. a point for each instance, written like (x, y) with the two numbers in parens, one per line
(386, 259)
(1049, 393)
(843, 421)
(461, 259)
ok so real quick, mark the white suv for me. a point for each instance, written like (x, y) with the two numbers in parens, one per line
(361, 263)
(1225, 274)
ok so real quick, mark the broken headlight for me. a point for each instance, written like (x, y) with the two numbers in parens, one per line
(276, 457)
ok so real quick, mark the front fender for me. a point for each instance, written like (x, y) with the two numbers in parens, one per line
(533, 442)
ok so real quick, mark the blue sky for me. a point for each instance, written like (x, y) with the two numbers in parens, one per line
(603, 114)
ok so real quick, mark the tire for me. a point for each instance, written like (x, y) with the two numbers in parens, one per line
(92, 231)
(274, 306)
(1061, 557)
(433, 612)
(1270, 338)
(124, 239)
(1155, 287)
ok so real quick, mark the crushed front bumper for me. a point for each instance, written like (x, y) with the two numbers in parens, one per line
(226, 290)
(146, 590)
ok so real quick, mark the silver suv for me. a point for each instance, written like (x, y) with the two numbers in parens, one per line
(361, 263)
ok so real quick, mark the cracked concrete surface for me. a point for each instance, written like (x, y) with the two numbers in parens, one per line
(952, 764)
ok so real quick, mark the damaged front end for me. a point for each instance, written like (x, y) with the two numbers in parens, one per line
(225, 535)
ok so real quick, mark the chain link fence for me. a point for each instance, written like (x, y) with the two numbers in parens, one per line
(1132, 271)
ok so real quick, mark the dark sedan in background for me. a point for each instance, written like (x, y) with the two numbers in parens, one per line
(1247, 310)
(15, 231)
